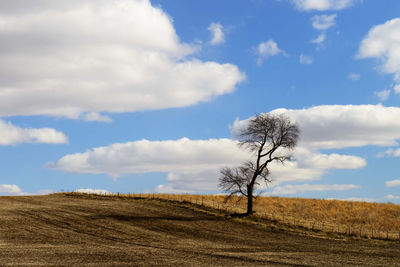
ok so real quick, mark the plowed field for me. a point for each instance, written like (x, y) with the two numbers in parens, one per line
(72, 230)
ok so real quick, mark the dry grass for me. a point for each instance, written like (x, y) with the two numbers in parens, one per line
(87, 230)
(363, 219)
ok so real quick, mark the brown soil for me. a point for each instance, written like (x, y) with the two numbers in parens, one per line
(78, 230)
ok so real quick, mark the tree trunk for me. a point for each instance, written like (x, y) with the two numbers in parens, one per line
(249, 200)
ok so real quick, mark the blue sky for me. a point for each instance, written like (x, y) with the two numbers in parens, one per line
(145, 96)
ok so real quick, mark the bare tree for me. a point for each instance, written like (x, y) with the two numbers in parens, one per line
(263, 136)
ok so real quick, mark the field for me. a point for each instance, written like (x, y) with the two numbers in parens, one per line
(363, 219)
(77, 229)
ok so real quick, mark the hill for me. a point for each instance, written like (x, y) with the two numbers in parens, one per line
(355, 218)
(73, 229)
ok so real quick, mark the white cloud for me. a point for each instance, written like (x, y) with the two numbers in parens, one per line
(393, 183)
(15, 190)
(392, 197)
(93, 191)
(305, 59)
(396, 88)
(302, 169)
(337, 126)
(183, 155)
(69, 57)
(354, 76)
(217, 32)
(295, 189)
(390, 152)
(356, 199)
(320, 39)
(193, 165)
(360, 199)
(11, 135)
(382, 95)
(333, 161)
(294, 171)
(95, 116)
(323, 5)
(268, 49)
(383, 42)
(190, 182)
(10, 189)
(310, 165)
(323, 22)
(168, 189)
(322, 127)
(44, 192)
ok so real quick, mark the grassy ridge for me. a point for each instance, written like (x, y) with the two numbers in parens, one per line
(363, 219)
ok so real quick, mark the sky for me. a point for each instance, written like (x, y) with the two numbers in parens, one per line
(138, 96)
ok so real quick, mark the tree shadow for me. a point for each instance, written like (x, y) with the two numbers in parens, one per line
(120, 217)
(239, 215)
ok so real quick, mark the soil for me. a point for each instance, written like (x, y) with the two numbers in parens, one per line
(78, 230)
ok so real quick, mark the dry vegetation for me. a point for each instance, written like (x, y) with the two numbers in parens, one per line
(363, 219)
(91, 230)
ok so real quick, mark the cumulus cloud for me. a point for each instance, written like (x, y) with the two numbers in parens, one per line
(301, 169)
(305, 59)
(10, 189)
(183, 155)
(323, 22)
(332, 161)
(293, 171)
(323, 5)
(341, 126)
(15, 190)
(189, 170)
(268, 49)
(312, 166)
(69, 57)
(11, 135)
(290, 189)
(393, 183)
(217, 32)
(193, 165)
(354, 76)
(382, 42)
(93, 191)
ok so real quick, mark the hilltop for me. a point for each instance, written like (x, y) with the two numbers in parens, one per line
(73, 229)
